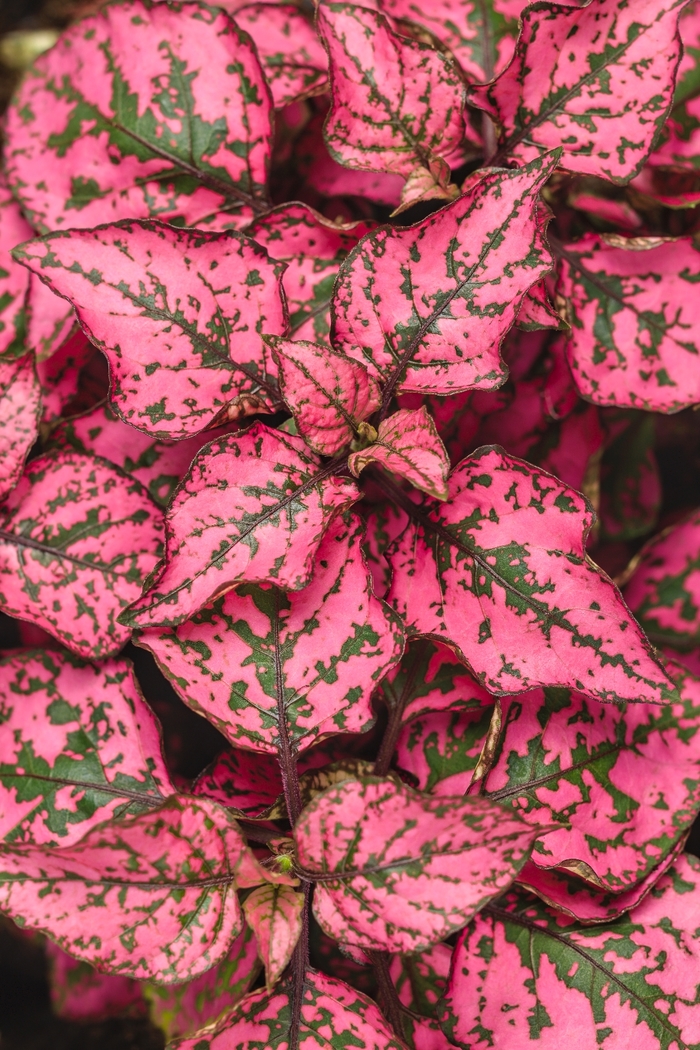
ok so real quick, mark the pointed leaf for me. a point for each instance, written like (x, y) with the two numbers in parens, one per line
(426, 308)
(525, 976)
(597, 80)
(233, 519)
(141, 109)
(396, 102)
(333, 1017)
(80, 745)
(80, 993)
(272, 670)
(20, 403)
(312, 248)
(14, 280)
(182, 1010)
(329, 393)
(275, 914)
(77, 540)
(409, 445)
(400, 871)
(178, 316)
(290, 52)
(150, 896)
(247, 782)
(634, 331)
(500, 572)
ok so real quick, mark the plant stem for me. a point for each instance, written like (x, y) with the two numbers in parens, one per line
(390, 1002)
(396, 707)
(299, 965)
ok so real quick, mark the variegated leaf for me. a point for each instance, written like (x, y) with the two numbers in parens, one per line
(420, 983)
(333, 1016)
(596, 79)
(273, 671)
(312, 248)
(20, 404)
(431, 679)
(426, 308)
(252, 508)
(679, 145)
(290, 52)
(79, 745)
(500, 572)
(14, 280)
(61, 375)
(328, 393)
(275, 914)
(384, 523)
(50, 319)
(247, 782)
(445, 751)
(142, 109)
(150, 896)
(408, 444)
(178, 314)
(77, 540)
(80, 993)
(633, 330)
(399, 871)
(524, 976)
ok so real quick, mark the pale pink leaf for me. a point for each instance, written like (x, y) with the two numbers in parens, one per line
(80, 993)
(633, 327)
(50, 319)
(596, 79)
(333, 1017)
(409, 445)
(400, 870)
(252, 508)
(179, 316)
(20, 404)
(14, 280)
(141, 110)
(500, 572)
(59, 375)
(80, 745)
(290, 52)
(275, 914)
(427, 307)
(247, 782)
(266, 667)
(525, 976)
(325, 176)
(328, 393)
(77, 540)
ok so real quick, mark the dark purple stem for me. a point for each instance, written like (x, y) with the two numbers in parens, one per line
(389, 1000)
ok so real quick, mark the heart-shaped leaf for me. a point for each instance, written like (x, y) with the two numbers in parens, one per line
(290, 52)
(524, 976)
(142, 109)
(233, 519)
(14, 280)
(329, 393)
(20, 404)
(399, 871)
(596, 79)
(500, 572)
(80, 993)
(426, 308)
(275, 914)
(409, 445)
(151, 896)
(247, 782)
(178, 314)
(80, 744)
(272, 670)
(633, 329)
(312, 248)
(77, 540)
(333, 1016)
(396, 102)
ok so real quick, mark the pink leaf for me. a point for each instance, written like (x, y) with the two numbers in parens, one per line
(576, 81)
(333, 1016)
(312, 248)
(329, 393)
(420, 982)
(266, 667)
(292, 56)
(409, 445)
(663, 590)
(384, 523)
(80, 993)
(395, 101)
(80, 745)
(630, 485)
(141, 110)
(247, 782)
(401, 870)
(443, 752)
(14, 280)
(59, 375)
(183, 1010)
(430, 679)
(179, 318)
(20, 403)
(77, 540)
(524, 976)
(275, 914)
(150, 896)
(426, 308)
(499, 571)
(634, 331)
(50, 319)
(243, 501)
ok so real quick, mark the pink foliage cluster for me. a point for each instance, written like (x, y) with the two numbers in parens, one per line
(331, 346)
